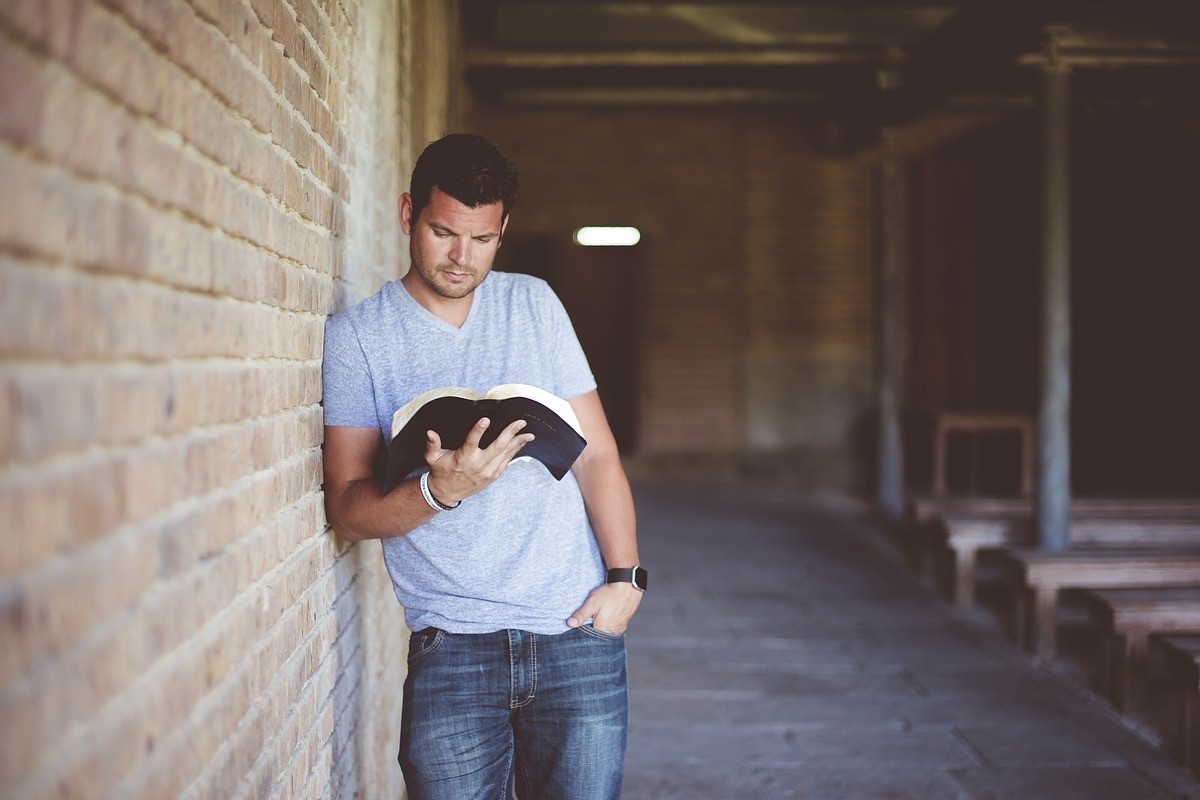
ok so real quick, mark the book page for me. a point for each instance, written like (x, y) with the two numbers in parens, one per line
(553, 402)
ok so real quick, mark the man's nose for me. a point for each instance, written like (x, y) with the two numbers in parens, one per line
(460, 251)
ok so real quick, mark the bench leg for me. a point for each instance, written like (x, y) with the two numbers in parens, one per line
(922, 549)
(1191, 748)
(1045, 621)
(1020, 616)
(964, 577)
(1127, 672)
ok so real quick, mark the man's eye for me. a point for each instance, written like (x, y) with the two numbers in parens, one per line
(484, 239)
(441, 234)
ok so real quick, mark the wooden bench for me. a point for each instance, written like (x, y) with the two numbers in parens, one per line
(1131, 617)
(1039, 575)
(930, 509)
(964, 537)
(1181, 662)
(926, 532)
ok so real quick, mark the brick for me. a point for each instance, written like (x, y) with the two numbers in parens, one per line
(122, 487)
(121, 235)
(48, 25)
(236, 741)
(209, 528)
(38, 521)
(195, 114)
(318, 26)
(76, 313)
(305, 687)
(200, 48)
(23, 87)
(10, 429)
(166, 620)
(53, 408)
(65, 600)
(22, 225)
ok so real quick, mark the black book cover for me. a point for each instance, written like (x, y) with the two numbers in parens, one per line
(453, 411)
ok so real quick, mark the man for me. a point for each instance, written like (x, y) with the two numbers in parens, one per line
(518, 587)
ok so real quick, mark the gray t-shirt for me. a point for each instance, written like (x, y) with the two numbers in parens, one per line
(521, 553)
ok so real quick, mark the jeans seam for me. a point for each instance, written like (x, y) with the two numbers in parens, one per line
(534, 654)
(438, 637)
(508, 771)
(590, 630)
(520, 762)
(512, 673)
(533, 676)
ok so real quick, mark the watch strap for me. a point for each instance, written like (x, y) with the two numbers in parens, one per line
(635, 575)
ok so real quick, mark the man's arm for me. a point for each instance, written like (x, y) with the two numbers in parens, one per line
(609, 503)
(355, 504)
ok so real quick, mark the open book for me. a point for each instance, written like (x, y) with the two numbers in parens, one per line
(452, 411)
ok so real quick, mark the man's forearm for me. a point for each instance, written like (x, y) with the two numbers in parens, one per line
(609, 503)
(354, 500)
(362, 511)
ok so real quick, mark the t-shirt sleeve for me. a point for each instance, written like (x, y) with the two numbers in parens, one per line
(572, 374)
(348, 392)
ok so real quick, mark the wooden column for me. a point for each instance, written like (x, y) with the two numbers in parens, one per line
(1054, 419)
(893, 188)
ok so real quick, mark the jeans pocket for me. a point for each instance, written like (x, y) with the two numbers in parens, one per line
(591, 630)
(423, 643)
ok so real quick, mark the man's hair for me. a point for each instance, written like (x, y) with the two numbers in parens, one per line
(469, 168)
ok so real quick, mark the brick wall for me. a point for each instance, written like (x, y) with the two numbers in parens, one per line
(810, 282)
(191, 186)
(754, 299)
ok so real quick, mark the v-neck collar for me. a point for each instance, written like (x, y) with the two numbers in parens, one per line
(436, 321)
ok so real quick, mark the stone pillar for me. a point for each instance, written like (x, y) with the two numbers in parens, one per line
(893, 189)
(1054, 418)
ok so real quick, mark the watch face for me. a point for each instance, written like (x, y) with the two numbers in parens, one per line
(639, 578)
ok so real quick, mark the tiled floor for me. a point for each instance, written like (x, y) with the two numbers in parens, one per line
(783, 651)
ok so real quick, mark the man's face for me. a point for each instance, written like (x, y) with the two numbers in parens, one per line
(452, 245)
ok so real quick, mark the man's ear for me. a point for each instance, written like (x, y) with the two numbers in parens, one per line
(406, 208)
(503, 225)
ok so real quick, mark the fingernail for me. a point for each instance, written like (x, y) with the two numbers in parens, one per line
(572, 623)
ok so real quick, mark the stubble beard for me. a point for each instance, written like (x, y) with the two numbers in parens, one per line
(432, 278)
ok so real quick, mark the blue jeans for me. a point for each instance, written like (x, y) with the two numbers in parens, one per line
(486, 712)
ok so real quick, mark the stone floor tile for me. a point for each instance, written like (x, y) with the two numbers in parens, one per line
(1052, 744)
(709, 744)
(740, 708)
(1045, 783)
(890, 782)
(645, 782)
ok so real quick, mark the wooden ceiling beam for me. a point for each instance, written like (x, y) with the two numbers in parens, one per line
(481, 57)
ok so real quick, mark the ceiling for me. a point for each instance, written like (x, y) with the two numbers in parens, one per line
(869, 63)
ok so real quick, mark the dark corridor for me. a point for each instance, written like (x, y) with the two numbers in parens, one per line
(597, 286)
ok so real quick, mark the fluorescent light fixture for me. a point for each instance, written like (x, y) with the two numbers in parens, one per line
(608, 237)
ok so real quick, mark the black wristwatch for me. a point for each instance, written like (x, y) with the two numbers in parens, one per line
(634, 575)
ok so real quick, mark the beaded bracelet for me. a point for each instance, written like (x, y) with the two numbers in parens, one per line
(434, 503)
